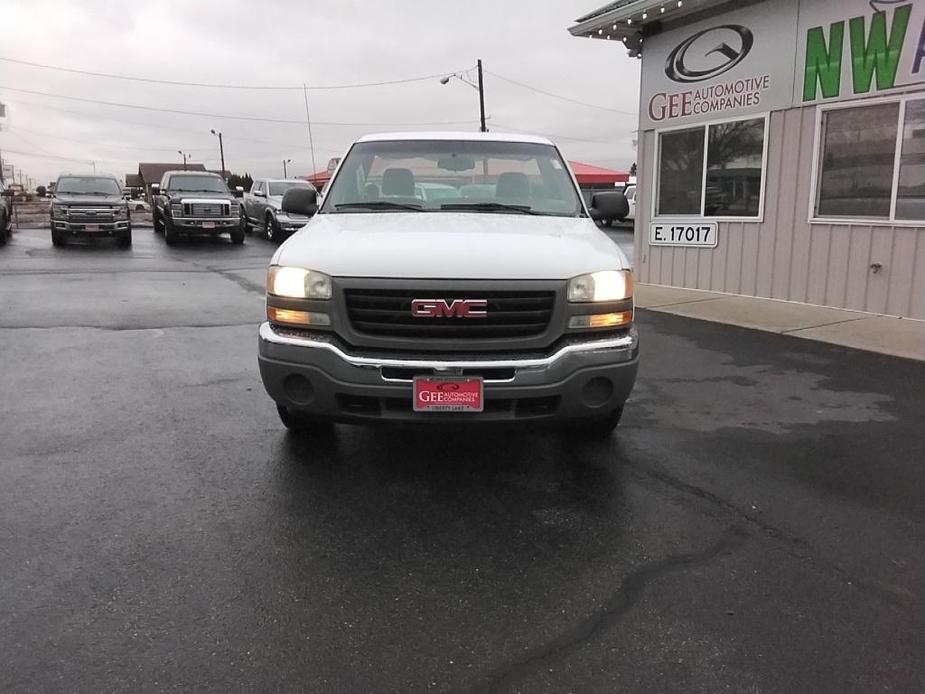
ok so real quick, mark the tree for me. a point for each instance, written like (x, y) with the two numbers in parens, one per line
(40, 191)
(244, 181)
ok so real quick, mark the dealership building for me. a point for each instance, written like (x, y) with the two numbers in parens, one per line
(781, 147)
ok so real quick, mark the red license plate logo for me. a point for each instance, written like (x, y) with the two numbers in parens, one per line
(91, 227)
(448, 394)
(208, 225)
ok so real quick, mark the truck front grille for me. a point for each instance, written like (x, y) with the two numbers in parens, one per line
(509, 314)
(201, 209)
(90, 215)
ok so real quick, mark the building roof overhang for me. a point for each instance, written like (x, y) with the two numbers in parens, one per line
(630, 21)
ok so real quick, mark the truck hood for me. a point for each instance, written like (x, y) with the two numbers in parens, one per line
(67, 199)
(450, 245)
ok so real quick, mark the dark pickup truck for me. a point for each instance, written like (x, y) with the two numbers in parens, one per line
(89, 206)
(196, 203)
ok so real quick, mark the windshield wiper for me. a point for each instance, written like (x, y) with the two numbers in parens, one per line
(379, 205)
(489, 207)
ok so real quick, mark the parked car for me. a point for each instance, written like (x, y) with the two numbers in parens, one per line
(195, 203)
(630, 193)
(6, 218)
(262, 207)
(89, 206)
(511, 307)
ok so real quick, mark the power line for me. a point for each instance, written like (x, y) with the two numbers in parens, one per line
(559, 96)
(157, 126)
(223, 115)
(208, 85)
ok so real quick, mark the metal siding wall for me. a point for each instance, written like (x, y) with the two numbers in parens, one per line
(785, 257)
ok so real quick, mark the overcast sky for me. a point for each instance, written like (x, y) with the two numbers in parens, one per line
(285, 43)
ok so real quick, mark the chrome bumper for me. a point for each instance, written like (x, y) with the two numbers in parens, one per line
(623, 346)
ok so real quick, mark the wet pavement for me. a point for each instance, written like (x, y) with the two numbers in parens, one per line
(756, 525)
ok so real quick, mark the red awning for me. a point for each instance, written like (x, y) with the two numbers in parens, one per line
(588, 174)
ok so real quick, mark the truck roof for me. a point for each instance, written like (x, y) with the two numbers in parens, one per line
(469, 136)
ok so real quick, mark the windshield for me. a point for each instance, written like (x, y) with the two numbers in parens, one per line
(197, 184)
(280, 187)
(88, 185)
(458, 176)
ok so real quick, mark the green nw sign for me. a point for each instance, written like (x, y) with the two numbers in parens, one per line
(880, 50)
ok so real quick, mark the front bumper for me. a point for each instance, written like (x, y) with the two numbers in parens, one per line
(115, 228)
(203, 225)
(319, 377)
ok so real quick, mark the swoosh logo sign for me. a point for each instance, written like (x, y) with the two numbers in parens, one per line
(709, 53)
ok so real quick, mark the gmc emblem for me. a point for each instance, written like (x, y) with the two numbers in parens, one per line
(457, 308)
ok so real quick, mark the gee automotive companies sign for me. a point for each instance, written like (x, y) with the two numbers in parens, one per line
(738, 63)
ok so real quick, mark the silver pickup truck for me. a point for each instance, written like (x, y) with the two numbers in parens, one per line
(263, 207)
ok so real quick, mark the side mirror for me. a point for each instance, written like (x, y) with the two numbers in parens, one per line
(155, 188)
(301, 201)
(238, 192)
(609, 205)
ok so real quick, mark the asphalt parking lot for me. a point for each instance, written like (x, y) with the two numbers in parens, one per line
(757, 524)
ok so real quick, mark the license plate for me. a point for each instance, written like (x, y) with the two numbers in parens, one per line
(448, 394)
(208, 225)
(91, 227)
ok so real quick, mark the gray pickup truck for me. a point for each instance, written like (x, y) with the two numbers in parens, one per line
(195, 203)
(263, 207)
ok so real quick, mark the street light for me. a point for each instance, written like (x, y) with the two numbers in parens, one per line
(478, 86)
(221, 150)
(286, 161)
(184, 155)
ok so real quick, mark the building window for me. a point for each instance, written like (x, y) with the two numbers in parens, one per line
(910, 191)
(712, 171)
(858, 151)
(872, 161)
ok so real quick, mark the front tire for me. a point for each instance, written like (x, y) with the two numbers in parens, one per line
(125, 240)
(58, 239)
(301, 424)
(598, 428)
(156, 221)
(170, 233)
(272, 230)
(237, 236)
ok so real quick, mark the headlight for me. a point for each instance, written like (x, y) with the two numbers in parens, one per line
(120, 212)
(607, 285)
(298, 283)
(176, 209)
(59, 211)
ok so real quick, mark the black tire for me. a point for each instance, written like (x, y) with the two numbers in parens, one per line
(58, 239)
(598, 428)
(5, 234)
(246, 225)
(170, 232)
(156, 221)
(270, 228)
(125, 240)
(237, 236)
(301, 424)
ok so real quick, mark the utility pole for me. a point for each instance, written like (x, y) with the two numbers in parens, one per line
(182, 154)
(308, 120)
(285, 173)
(221, 150)
(481, 97)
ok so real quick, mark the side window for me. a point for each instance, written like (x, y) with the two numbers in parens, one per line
(165, 182)
(257, 187)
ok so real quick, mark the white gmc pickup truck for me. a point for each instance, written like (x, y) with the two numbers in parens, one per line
(454, 278)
